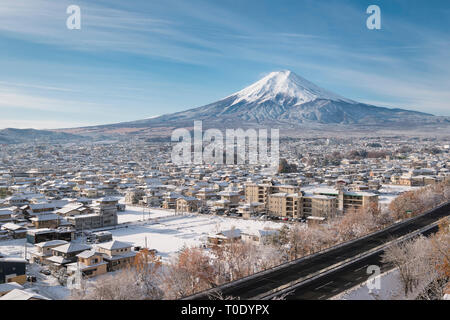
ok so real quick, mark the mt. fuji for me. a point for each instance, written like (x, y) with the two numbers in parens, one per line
(281, 99)
(285, 83)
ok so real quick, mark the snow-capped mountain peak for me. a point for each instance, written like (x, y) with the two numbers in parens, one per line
(282, 99)
(282, 85)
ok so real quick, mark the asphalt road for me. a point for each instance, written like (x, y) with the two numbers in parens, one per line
(331, 284)
(264, 282)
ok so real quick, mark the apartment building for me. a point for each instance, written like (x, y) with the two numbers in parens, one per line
(258, 193)
(298, 205)
(348, 200)
(285, 204)
(261, 192)
(289, 201)
(319, 206)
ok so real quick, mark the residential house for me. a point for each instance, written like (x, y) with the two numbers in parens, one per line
(65, 254)
(43, 250)
(187, 204)
(90, 263)
(45, 234)
(224, 237)
(15, 231)
(104, 215)
(51, 221)
(260, 236)
(117, 254)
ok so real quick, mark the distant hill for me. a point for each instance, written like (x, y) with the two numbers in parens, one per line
(14, 136)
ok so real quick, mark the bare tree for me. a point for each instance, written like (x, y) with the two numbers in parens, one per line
(413, 259)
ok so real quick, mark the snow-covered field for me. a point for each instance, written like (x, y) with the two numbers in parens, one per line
(162, 229)
(134, 213)
(169, 234)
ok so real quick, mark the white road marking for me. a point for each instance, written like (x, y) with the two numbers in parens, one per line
(361, 268)
(323, 285)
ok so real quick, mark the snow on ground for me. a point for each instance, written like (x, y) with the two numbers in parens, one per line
(169, 234)
(47, 286)
(135, 213)
(390, 289)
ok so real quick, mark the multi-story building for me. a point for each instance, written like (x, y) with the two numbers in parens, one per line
(260, 192)
(347, 200)
(298, 205)
(289, 201)
(285, 204)
(104, 215)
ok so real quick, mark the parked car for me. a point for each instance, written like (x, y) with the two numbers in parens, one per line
(46, 272)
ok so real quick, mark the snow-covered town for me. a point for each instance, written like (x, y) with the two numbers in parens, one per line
(223, 159)
(93, 208)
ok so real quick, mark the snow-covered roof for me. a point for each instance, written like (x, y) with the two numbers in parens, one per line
(114, 245)
(51, 243)
(87, 254)
(5, 287)
(72, 247)
(230, 234)
(19, 294)
(46, 217)
(12, 226)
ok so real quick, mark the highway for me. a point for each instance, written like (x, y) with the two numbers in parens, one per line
(337, 281)
(264, 283)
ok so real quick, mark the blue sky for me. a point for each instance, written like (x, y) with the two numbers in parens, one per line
(136, 59)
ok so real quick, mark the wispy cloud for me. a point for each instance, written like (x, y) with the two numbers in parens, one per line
(33, 86)
(410, 70)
